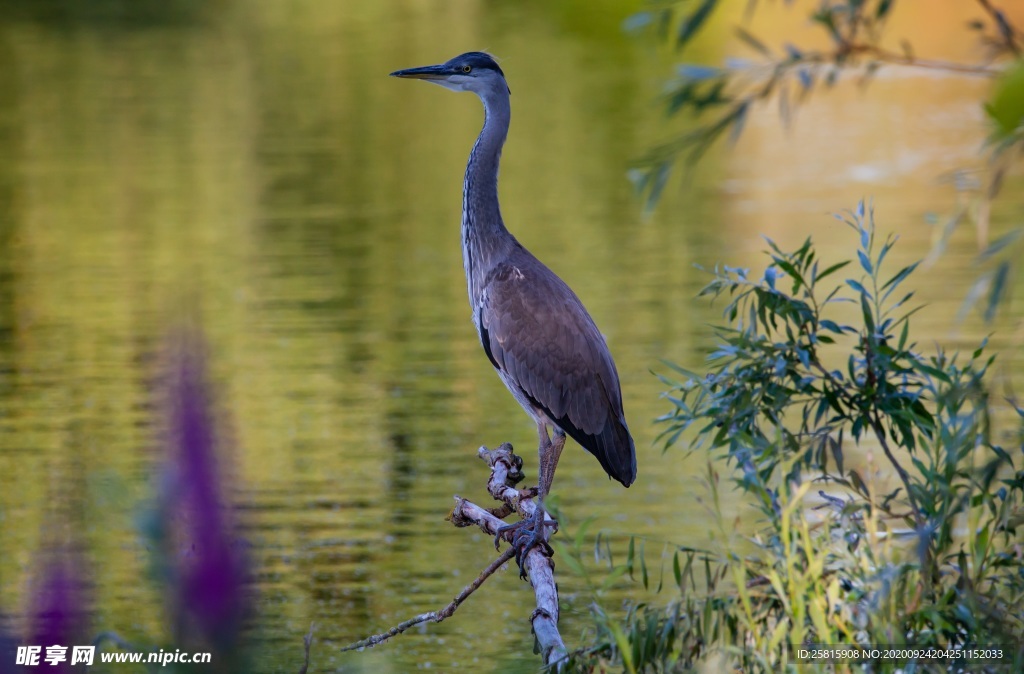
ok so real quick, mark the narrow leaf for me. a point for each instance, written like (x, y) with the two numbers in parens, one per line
(999, 244)
(834, 268)
(998, 290)
(752, 42)
(864, 261)
(689, 26)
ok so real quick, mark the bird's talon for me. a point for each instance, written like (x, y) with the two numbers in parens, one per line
(527, 534)
(514, 527)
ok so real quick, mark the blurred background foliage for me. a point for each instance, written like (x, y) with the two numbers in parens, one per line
(250, 162)
(847, 40)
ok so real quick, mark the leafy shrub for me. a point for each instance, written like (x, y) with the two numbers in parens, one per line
(934, 562)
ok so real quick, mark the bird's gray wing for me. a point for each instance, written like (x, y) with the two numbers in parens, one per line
(538, 333)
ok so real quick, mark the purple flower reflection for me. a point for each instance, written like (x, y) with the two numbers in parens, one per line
(57, 611)
(210, 599)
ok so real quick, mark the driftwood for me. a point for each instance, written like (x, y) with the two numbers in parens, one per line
(506, 473)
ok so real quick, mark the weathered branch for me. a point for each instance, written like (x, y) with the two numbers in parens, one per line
(433, 616)
(506, 472)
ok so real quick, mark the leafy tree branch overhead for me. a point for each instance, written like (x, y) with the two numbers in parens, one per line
(722, 96)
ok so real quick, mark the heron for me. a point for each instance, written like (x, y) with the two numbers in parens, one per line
(533, 328)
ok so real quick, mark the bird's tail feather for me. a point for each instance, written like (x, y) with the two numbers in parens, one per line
(616, 452)
(613, 447)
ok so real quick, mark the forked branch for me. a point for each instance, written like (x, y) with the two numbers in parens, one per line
(506, 473)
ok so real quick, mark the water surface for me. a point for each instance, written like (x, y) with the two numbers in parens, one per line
(252, 162)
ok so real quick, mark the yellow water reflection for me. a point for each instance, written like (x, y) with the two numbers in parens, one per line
(252, 161)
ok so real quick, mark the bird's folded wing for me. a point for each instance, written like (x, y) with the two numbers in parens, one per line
(536, 330)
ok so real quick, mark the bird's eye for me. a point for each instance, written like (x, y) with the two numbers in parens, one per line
(466, 68)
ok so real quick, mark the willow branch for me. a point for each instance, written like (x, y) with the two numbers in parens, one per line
(1006, 30)
(879, 429)
(894, 58)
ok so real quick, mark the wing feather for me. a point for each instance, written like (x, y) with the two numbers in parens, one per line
(538, 333)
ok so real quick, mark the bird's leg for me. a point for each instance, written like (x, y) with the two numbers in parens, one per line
(549, 459)
(529, 532)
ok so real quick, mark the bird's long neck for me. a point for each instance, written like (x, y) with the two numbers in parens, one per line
(485, 241)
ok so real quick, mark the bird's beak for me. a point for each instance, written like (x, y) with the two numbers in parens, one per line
(438, 72)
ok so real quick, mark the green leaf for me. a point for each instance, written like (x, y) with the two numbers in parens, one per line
(981, 348)
(831, 326)
(997, 291)
(792, 272)
(613, 576)
(858, 287)
(974, 294)
(889, 243)
(752, 42)
(643, 565)
(689, 26)
(900, 276)
(869, 319)
(999, 244)
(857, 482)
(935, 372)
(581, 533)
(625, 649)
(683, 371)
(831, 270)
(864, 261)
(837, 453)
(573, 563)
(660, 179)
(1006, 107)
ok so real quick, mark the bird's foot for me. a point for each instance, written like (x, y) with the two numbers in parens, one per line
(525, 535)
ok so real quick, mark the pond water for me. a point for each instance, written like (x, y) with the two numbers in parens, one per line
(253, 163)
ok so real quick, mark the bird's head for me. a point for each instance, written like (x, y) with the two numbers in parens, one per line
(473, 71)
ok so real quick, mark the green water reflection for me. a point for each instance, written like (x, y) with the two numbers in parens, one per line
(252, 159)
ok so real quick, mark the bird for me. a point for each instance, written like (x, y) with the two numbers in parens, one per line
(533, 328)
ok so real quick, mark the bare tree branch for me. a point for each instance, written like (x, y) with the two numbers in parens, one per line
(434, 616)
(506, 473)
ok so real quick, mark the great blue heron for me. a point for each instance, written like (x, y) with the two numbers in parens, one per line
(533, 327)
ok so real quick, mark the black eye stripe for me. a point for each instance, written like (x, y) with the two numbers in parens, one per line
(474, 62)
